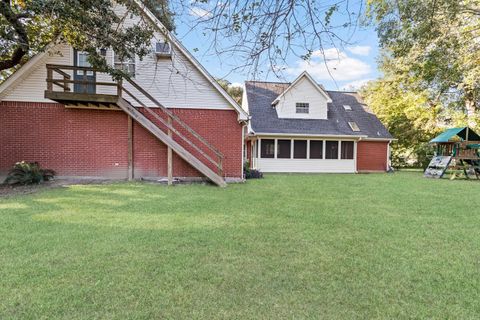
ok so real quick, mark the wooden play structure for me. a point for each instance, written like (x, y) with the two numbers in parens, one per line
(457, 150)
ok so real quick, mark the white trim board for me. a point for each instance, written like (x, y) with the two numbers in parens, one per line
(294, 83)
(303, 135)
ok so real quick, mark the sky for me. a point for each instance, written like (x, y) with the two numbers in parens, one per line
(350, 66)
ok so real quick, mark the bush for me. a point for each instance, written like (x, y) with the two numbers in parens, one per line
(251, 173)
(28, 173)
(254, 174)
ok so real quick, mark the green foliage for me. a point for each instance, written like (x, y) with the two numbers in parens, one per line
(331, 246)
(28, 173)
(431, 46)
(29, 26)
(430, 58)
(235, 92)
(251, 173)
(408, 116)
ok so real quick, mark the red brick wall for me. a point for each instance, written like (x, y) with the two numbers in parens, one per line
(372, 155)
(79, 142)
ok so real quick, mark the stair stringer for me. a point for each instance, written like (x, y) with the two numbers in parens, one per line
(164, 138)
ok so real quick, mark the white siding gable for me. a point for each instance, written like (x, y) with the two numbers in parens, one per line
(175, 82)
(303, 91)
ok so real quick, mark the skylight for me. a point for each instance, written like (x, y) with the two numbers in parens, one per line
(354, 126)
(347, 107)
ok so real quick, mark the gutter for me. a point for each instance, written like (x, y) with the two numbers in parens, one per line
(309, 135)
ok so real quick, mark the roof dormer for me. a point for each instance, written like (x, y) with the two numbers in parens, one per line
(303, 99)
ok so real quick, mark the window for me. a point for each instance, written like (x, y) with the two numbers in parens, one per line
(302, 107)
(300, 149)
(316, 149)
(127, 66)
(82, 61)
(331, 150)
(283, 149)
(267, 148)
(354, 126)
(347, 149)
(347, 107)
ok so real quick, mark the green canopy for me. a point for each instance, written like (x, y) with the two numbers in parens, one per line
(461, 133)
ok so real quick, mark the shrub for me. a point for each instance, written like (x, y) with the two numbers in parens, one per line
(251, 173)
(254, 174)
(28, 173)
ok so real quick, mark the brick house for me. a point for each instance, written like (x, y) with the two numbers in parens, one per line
(171, 119)
(301, 127)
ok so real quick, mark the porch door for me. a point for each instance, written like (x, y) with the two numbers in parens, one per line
(80, 60)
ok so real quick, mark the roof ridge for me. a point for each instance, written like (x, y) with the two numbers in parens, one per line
(278, 82)
(289, 83)
(342, 91)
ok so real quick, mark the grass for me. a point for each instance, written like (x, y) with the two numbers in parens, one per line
(288, 246)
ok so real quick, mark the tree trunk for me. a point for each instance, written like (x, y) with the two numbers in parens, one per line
(471, 108)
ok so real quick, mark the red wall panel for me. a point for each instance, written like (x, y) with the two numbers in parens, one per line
(77, 142)
(372, 155)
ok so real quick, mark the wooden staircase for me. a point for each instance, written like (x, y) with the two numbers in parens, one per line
(162, 123)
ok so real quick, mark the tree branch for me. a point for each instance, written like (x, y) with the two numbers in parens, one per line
(23, 41)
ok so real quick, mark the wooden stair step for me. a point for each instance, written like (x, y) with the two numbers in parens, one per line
(167, 140)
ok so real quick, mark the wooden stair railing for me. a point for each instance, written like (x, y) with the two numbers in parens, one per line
(170, 125)
(123, 95)
(170, 142)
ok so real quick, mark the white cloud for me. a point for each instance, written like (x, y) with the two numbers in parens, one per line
(360, 50)
(332, 63)
(200, 13)
(237, 84)
(355, 85)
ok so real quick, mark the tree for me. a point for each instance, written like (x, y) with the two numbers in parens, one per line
(259, 33)
(432, 47)
(408, 115)
(265, 32)
(236, 92)
(28, 26)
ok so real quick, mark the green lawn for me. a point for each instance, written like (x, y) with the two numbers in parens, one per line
(318, 246)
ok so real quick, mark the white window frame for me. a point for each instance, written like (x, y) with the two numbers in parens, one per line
(302, 105)
(123, 63)
(80, 72)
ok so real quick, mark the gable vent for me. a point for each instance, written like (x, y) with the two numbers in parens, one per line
(347, 107)
(354, 126)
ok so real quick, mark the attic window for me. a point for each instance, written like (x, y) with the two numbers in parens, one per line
(347, 107)
(302, 107)
(354, 126)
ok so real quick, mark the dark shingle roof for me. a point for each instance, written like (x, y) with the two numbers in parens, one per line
(264, 118)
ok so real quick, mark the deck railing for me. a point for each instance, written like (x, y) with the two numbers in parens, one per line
(173, 124)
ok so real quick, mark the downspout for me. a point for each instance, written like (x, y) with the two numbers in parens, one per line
(388, 155)
(244, 127)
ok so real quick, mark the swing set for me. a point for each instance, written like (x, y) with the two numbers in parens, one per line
(458, 151)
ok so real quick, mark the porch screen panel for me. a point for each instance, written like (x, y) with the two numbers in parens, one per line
(316, 149)
(347, 150)
(331, 150)
(267, 148)
(300, 149)
(283, 149)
